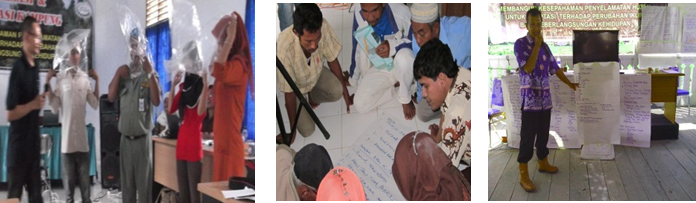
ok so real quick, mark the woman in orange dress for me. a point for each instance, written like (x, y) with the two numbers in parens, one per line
(233, 73)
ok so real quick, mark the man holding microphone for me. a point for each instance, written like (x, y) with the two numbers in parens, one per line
(536, 65)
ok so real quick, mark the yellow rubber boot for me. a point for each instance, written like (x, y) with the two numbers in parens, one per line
(525, 182)
(545, 167)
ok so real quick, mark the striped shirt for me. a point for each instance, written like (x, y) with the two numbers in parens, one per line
(304, 71)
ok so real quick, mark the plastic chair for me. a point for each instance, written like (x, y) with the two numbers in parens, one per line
(681, 92)
(495, 115)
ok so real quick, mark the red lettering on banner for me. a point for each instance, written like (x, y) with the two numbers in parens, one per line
(7, 15)
(41, 18)
(41, 3)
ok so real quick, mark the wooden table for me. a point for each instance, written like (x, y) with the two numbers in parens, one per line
(214, 190)
(664, 89)
(14, 200)
(165, 163)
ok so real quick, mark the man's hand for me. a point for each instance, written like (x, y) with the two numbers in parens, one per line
(147, 66)
(123, 71)
(538, 40)
(409, 110)
(177, 78)
(348, 98)
(346, 94)
(93, 74)
(51, 73)
(311, 102)
(346, 77)
(37, 103)
(434, 129)
(574, 86)
(383, 49)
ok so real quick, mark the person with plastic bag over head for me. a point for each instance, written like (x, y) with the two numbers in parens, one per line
(233, 74)
(69, 98)
(191, 101)
(136, 86)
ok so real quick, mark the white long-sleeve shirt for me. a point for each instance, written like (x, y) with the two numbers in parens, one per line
(73, 92)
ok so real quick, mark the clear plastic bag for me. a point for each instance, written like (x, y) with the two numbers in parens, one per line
(133, 31)
(134, 35)
(73, 43)
(186, 39)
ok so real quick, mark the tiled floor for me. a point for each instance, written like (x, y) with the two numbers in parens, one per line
(344, 128)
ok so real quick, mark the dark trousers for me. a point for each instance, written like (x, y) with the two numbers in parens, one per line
(76, 167)
(535, 125)
(188, 175)
(25, 175)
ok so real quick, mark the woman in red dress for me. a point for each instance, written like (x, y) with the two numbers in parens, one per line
(191, 102)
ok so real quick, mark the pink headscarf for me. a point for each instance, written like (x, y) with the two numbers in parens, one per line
(341, 184)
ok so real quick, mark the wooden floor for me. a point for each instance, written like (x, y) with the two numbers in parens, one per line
(665, 171)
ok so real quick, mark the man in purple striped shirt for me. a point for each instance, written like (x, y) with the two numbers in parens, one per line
(536, 65)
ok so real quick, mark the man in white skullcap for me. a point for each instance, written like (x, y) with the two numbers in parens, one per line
(377, 85)
(451, 30)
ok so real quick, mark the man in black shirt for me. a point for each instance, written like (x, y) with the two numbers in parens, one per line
(23, 105)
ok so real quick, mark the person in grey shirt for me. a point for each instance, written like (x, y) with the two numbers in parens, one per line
(136, 85)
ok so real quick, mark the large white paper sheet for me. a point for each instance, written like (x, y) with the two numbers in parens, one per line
(688, 44)
(564, 130)
(513, 108)
(634, 121)
(659, 32)
(635, 110)
(597, 103)
(371, 158)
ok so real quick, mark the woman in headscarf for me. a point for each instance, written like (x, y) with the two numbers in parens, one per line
(423, 172)
(341, 184)
(233, 73)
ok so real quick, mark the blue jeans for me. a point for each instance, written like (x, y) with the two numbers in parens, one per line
(285, 11)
